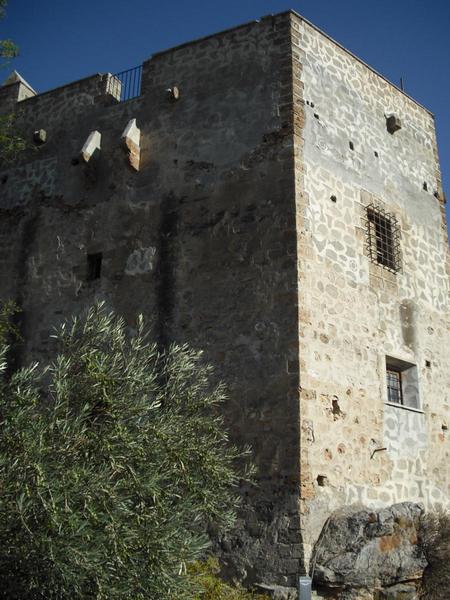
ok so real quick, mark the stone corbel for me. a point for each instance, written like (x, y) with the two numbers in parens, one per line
(91, 146)
(131, 138)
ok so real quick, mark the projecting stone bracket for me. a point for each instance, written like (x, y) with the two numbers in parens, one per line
(40, 137)
(173, 93)
(131, 138)
(91, 148)
(393, 123)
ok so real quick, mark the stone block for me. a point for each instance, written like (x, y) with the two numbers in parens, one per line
(91, 146)
(367, 549)
(131, 138)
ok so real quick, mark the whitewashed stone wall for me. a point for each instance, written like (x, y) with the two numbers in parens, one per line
(354, 447)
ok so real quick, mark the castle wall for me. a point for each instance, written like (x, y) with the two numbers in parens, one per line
(353, 313)
(201, 240)
(244, 234)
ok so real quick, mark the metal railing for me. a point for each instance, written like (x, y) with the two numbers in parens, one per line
(126, 84)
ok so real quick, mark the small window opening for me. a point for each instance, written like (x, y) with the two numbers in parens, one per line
(402, 383)
(394, 385)
(376, 154)
(94, 266)
(428, 363)
(333, 198)
(383, 238)
(322, 480)
(352, 145)
(316, 116)
(425, 186)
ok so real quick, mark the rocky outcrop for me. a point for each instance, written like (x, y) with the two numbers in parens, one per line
(370, 553)
(278, 592)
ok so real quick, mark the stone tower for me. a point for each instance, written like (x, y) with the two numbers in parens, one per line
(271, 199)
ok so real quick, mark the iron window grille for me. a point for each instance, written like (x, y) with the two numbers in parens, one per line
(383, 238)
(394, 386)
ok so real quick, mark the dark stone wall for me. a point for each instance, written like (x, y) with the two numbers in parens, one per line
(202, 240)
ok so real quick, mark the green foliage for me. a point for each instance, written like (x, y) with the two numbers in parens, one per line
(213, 588)
(112, 472)
(8, 49)
(7, 328)
(435, 542)
(12, 142)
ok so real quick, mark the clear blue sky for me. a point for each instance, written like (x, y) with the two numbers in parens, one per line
(63, 40)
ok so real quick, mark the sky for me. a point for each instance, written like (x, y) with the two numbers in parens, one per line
(62, 40)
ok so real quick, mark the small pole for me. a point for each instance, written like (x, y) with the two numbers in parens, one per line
(402, 87)
(304, 588)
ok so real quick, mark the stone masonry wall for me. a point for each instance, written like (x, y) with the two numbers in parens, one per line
(355, 448)
(201, 240)
(243, 233)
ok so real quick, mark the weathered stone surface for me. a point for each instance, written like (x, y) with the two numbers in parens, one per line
(199, 241)
(397, 592)
(354, 594)
(352, 311)
(368, 549)
(227, 240)
(403, 591)
(278, 592)
(140, 261)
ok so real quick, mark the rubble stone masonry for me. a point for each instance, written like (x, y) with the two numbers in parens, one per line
(356, 448)
(240, 227)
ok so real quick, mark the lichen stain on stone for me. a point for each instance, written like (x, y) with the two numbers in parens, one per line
(141, 261)
(389, 542)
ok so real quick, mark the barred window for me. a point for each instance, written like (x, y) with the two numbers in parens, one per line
(402, 383)
(383, 238)
(394, 386)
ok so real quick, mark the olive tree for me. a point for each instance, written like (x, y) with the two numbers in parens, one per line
(12, 142)
(114, 463)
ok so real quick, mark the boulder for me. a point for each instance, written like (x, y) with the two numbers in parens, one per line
(372, 549)
(278, 592)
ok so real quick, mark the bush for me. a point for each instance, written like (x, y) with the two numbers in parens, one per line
(114, 462)
(435, 542)
(213, 588)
